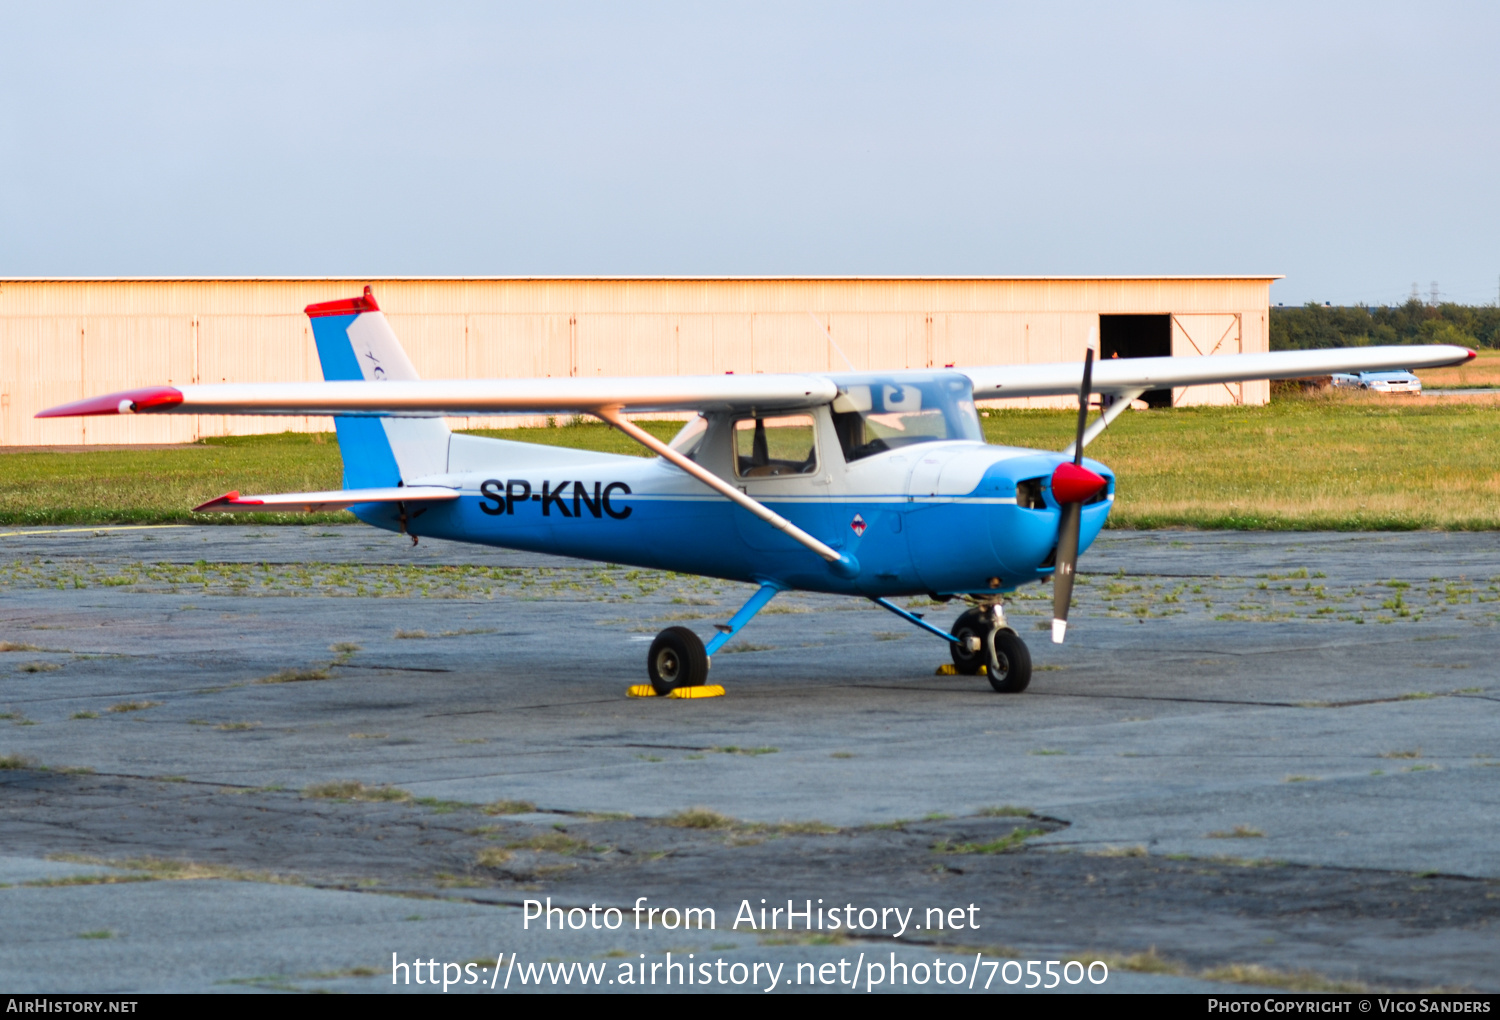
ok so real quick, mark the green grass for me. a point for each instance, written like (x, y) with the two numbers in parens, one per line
(162, 486)
(509, 807)
(467, 581)
(1004, 811)
(352, 789)
(1336, 461)
(1005, 844)
(707, 818)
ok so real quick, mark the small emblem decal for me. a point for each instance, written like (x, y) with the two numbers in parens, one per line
(858, 524)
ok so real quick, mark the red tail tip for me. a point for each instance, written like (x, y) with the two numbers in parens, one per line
(346, 306)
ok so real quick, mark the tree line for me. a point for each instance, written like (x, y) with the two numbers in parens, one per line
(1415, 322)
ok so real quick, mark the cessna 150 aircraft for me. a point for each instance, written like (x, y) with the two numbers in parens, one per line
(869, 484)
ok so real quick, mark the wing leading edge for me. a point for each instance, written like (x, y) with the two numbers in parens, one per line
(632, 394)
(638, 394)
(1119, 375)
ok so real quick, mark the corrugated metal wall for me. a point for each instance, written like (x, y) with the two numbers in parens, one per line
(62, 340)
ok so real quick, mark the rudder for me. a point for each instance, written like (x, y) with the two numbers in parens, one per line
(355, 342)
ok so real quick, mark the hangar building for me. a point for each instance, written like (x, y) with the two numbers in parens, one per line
(63, 339)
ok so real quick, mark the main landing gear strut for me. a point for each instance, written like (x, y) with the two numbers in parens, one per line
(679, 659)
(981, 637)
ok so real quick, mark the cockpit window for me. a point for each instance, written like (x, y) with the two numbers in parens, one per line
(873, 414)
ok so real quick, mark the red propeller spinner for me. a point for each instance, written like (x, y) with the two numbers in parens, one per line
(1073, 483)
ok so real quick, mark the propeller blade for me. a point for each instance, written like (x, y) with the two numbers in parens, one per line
(1071, 485)
(1083, 404)
(1067, 563)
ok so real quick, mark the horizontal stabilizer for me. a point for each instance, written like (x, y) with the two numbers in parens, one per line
(314, 502)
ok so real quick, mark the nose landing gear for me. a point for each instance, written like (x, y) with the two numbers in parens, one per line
(986, 639)
(980, 637)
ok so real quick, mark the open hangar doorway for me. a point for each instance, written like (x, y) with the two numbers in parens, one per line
(1138, 336)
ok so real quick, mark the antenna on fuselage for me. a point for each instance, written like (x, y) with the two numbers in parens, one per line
(829, 335)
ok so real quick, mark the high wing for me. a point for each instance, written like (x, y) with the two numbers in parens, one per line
(631, 394)
(422, 398)
(1123, 375)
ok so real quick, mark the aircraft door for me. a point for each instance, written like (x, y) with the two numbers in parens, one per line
(777, 461)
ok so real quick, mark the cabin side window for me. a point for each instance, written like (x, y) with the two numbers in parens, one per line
(775, 447)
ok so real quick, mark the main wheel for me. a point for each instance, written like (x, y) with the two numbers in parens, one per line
(1009, 661)
(973, 623)
(676, 659)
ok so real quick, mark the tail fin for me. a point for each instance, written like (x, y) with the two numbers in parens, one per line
(355, 342)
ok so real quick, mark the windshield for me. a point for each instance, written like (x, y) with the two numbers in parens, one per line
(690, 437)
(873, 414)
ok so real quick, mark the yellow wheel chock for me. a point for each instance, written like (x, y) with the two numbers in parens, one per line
(699, 691)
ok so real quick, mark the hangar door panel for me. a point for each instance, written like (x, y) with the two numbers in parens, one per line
(981, 338)
(125, 351)
(1208, 336)
(41, 365)
(256, 348)
(517, 346)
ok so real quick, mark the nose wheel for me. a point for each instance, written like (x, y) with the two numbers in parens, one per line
(1004, 656)
(676, 659)
(1009, 665)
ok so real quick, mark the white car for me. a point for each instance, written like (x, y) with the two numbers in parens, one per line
(1399, 381)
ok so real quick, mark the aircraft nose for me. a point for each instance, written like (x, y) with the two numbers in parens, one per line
(1072, 483)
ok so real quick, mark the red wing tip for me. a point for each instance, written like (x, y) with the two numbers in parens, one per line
(228, 499)
(346, 306)
(153, 398)
(1473, 355)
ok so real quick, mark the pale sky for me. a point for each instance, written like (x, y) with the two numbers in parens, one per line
(1350, 146)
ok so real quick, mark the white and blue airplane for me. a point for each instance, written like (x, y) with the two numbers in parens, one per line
(870, 484)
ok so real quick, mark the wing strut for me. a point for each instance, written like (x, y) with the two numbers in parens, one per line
(1109, 414)
(841, 563)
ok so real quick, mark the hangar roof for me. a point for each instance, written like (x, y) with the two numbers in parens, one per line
(498, 279)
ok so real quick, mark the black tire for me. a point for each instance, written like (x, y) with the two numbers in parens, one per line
(676, 659)
(1009, 665)
(973, 623)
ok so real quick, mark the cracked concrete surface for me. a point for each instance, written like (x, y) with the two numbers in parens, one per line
(1217, 706)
